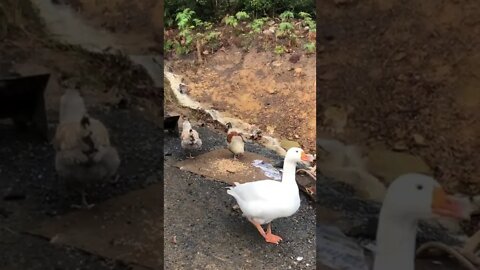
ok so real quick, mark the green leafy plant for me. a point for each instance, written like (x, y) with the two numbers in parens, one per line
(181, 49)
(184, 18)
(207, 25)
(242, 16)
(279, 49)
(231, 21)
(168, 45)
(213, 35)
(308, 21)
(286, 16)
(258, 24)
(285, 29)
(186, 23)
(309, 47)
(312, 25)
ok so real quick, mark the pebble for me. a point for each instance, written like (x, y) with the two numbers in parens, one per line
(271, 91)
(400, 146)
(399, 56)
(419, 139)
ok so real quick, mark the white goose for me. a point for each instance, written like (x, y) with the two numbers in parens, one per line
(410, 198)
(263, 201)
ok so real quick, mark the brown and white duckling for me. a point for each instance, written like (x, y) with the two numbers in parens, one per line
(235, 141)
(190, 138)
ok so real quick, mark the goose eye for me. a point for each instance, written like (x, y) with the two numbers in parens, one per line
(419, 187)
(296, 151)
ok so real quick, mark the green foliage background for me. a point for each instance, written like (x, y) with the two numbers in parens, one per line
(213, 10)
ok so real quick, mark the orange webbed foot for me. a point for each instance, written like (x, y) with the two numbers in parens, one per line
(272, 238)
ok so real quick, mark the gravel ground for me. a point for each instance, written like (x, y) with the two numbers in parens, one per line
(27, 172)
(202, 231)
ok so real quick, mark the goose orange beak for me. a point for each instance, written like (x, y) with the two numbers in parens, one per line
(448, 206)
(306, 157)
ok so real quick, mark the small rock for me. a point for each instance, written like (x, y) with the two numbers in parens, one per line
(399, 56)
(206, 52)
(270, 129)
(294, 58)
(57, 239)
(402, 78)
(296, 136)
(400, 146)
(299, 259)
(298, 71)
(375, 73)
(276, 63)
(271, 91)
(419, 139)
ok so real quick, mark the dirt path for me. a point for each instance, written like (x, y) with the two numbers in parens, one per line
(408, 72)
(202, 231)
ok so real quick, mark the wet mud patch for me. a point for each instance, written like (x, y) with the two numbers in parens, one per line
(219, 165)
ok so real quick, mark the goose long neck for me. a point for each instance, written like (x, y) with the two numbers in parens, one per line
(396, 238)
(187, 126)
(289, 170)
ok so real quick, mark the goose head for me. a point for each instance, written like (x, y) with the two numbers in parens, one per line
(409, 199)
(296, 154)
(416, 196)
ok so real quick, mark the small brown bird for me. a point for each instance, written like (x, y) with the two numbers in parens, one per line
(190, 138)
(84, 155)
(235, 141)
